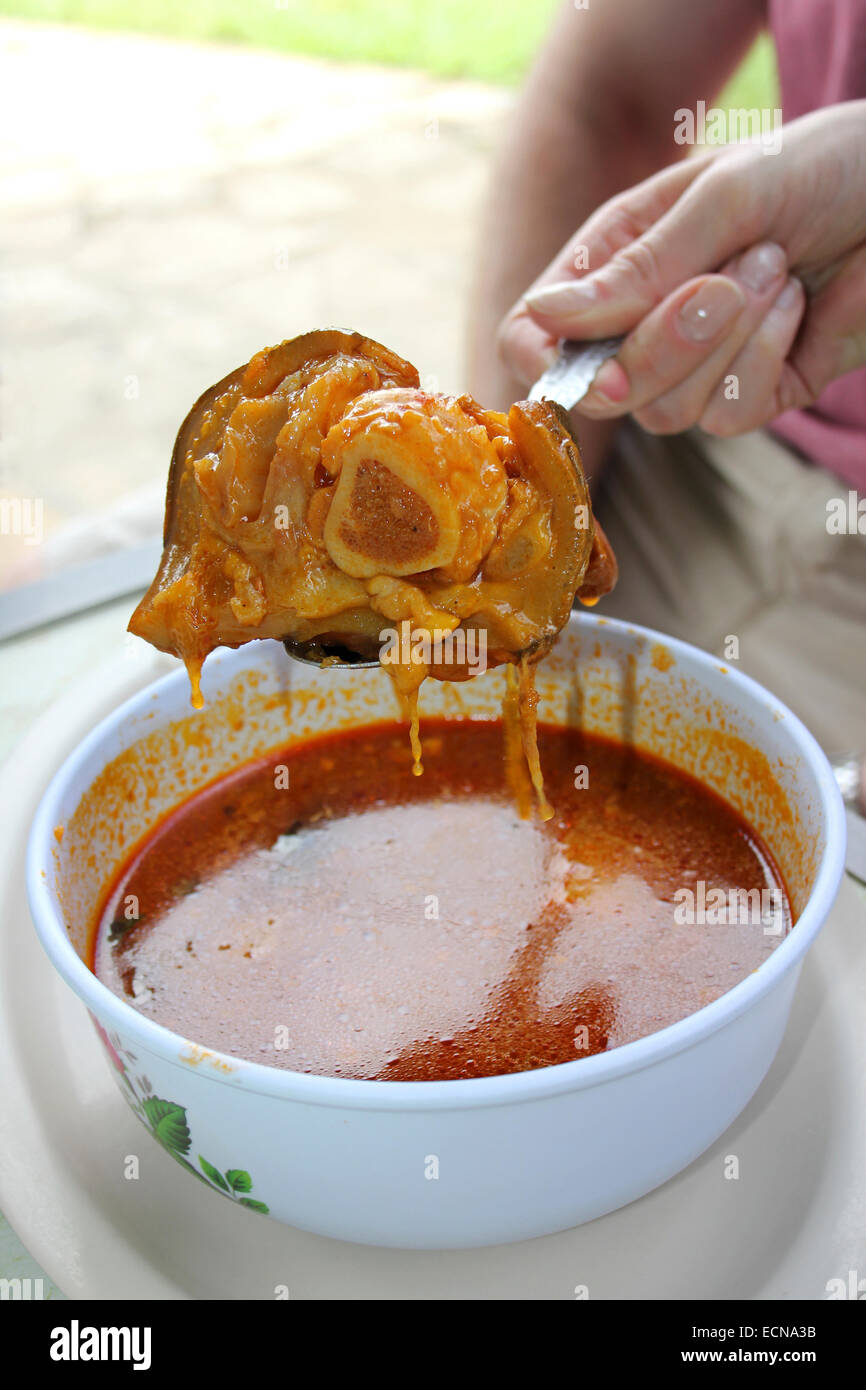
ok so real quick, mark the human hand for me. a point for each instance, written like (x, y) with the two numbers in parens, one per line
(739, 279)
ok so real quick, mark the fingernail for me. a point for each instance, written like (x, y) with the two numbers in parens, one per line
(760, 266)
(789, 296)
(567, 298)
(710, 309)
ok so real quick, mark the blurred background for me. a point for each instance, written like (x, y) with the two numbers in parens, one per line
(183, 184)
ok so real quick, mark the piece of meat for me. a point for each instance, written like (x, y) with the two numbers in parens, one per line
(319, 494)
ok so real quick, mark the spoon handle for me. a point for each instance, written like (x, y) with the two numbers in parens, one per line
(569, 378)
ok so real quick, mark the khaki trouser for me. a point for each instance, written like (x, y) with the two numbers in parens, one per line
(728, 538)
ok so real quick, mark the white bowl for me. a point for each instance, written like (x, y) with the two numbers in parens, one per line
(515, 1156)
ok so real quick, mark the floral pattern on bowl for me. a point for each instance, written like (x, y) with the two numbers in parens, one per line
(167, 1121)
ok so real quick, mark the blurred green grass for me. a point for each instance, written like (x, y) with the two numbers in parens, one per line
(492, 40)
(488, 39)
(756, 81)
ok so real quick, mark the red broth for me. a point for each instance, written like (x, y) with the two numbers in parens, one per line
(324, 911)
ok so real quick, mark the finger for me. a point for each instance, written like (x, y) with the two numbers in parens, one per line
(685, 405)
(704, 227)
(746, 397)
(526, 349)
(619, 222)
(833, 341)
(524, 345)
(688, 402)
(668, 366)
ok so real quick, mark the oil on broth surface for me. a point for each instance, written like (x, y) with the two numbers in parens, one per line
(364, 923)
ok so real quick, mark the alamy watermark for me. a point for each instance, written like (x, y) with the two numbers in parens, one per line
(846, 516)
(718, 125)
(408, 646)
(22, 1290)
(24, 517)
(719, 907)
(77, 1343)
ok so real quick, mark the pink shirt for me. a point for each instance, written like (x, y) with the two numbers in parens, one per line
(821, 48)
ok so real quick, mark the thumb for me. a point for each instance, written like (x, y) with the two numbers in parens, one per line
(697, 234)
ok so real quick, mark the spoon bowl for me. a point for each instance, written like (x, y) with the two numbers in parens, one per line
(330, 655)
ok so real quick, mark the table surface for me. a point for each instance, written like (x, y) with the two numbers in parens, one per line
(35, 669)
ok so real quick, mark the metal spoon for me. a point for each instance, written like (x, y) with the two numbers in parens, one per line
(334, 655)
(566, 381)
(570, 376)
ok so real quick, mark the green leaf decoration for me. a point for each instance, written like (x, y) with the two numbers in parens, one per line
(168, 1122)
(238, 1180)
(188, 1166)
(254, 1205)
(213, 1174)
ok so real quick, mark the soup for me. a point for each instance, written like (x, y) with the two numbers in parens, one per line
(323, 911)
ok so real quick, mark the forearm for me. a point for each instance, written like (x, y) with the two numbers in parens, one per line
(554, 171)
(591, 122)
